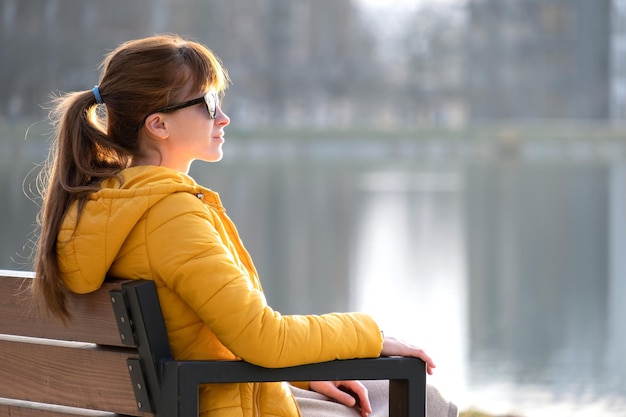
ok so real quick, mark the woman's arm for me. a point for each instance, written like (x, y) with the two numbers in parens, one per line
(198, 256)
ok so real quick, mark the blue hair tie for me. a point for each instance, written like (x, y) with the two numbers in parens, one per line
(96, 93)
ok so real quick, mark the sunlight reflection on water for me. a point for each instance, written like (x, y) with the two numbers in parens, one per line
(420, 298)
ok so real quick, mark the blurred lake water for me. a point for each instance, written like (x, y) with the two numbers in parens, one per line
(505, 261)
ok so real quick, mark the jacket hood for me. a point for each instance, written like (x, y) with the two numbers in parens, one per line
(86, 248)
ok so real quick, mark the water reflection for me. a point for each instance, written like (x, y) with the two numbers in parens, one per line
(510, 271)
(410, 264)
(538, 251)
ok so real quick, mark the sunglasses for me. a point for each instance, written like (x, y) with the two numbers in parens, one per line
(210, 99)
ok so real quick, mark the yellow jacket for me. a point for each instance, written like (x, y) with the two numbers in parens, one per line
(160, 225)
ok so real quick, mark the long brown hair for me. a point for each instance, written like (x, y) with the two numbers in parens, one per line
(93, 142)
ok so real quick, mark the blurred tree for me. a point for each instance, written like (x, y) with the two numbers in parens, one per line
(54, 45)
(432, 87)
(290, 62)
(541, 59)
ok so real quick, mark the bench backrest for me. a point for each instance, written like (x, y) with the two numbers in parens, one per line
(84, 363)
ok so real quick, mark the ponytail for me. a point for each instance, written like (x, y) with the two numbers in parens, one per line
(81, 156)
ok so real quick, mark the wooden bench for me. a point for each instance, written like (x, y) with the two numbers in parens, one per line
(113, 359)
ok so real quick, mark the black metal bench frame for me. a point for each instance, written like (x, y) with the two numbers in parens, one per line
(173, 384)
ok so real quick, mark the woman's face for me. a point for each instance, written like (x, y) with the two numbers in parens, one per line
(193, 134)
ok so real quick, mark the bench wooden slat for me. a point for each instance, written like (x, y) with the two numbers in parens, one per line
(17, 408)
(94, 320)
(71, 374)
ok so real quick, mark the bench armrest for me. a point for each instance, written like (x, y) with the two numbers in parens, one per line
(407, 376)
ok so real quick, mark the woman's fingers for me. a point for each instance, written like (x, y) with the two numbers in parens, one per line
(348, 393)
(397, 347)
(358, 391)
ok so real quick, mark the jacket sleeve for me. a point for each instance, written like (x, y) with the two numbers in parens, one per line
(196, 261)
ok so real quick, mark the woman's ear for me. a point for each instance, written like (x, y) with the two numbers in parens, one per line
(156, 127)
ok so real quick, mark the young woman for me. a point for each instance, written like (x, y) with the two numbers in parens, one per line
(118, 201)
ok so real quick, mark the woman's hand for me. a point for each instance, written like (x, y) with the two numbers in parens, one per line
(349, 393)
(397, 347)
